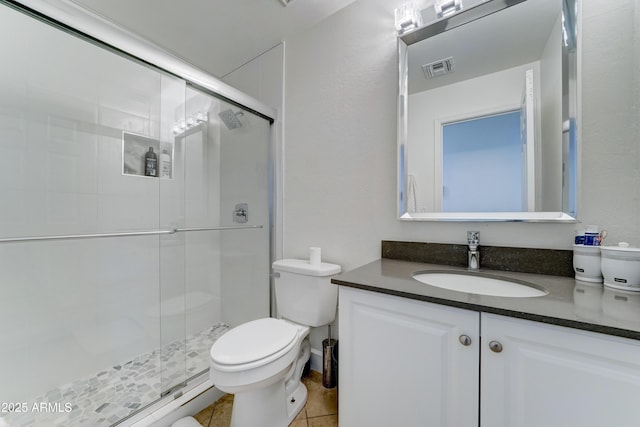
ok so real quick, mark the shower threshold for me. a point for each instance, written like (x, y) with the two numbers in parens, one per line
(117, 393)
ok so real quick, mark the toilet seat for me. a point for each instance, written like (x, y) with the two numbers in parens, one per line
(253, 344)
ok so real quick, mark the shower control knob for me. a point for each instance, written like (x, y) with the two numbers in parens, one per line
(465, 340)
(241, 213)
(495, 346)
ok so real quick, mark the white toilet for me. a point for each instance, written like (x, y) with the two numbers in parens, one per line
(261, 361)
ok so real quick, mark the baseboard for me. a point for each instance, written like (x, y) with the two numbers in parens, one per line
(316, 360)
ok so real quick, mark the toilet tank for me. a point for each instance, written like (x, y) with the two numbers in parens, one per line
(304, 292)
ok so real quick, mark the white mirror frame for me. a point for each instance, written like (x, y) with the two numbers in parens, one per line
(445, 24)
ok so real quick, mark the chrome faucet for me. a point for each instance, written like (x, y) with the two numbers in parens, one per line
(473, 239)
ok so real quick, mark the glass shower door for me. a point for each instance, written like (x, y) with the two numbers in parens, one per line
(79, 228)
(220, 166)
(116, 280)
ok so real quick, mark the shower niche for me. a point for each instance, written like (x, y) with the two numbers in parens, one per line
(135, 148)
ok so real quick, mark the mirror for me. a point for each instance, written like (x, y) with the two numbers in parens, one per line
(487, 114)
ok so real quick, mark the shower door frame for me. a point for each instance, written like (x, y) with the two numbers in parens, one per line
(81, 23)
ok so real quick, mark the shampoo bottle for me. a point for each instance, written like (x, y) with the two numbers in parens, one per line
(165, 164)
(151, 163)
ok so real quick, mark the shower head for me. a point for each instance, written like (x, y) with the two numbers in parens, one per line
(230, 119)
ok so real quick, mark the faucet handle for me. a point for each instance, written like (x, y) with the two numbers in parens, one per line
(473, 238)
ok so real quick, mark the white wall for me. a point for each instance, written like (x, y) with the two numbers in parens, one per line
(340, 163)
(340, 139)
(610, 179)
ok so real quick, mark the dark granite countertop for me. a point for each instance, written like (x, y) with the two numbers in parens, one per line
(569, 303)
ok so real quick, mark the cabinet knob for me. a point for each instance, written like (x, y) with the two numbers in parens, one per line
(464, 340)
(495, 346)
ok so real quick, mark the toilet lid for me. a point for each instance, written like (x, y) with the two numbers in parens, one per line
(253, 341)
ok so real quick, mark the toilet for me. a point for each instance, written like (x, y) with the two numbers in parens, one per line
(261, 361)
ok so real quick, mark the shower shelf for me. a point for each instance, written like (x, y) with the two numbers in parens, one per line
(134, 149)
(125, 234)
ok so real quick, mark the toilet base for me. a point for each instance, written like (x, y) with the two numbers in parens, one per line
(268, 406)
(186, 422)
(296, 401)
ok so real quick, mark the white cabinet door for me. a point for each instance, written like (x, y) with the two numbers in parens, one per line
(402, 364)
(553, 376)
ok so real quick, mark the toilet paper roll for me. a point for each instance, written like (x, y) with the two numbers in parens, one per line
(315, 256)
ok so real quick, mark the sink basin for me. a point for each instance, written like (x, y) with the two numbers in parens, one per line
(477, 283)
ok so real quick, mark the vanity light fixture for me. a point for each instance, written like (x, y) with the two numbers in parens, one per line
(446, 8)
(408, 18)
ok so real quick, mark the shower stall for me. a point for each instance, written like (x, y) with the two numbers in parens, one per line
(119, 270)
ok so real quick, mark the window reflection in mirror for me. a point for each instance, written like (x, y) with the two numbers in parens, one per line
(483, 165)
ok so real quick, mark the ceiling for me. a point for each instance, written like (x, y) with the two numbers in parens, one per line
(514, 36)
(217, 36)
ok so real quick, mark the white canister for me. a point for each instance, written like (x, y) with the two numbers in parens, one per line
(586, 263)
(621, 266)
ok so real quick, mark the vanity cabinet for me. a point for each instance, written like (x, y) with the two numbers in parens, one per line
(547, 375)
(413, 363)
(402, 362)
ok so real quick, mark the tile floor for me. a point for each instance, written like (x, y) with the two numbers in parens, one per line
(321, 409)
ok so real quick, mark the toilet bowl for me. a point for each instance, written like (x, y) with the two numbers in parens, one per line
(257, 362)
(255, 354)
(261, 361)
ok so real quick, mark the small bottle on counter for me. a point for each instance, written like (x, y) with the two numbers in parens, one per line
(151, 163)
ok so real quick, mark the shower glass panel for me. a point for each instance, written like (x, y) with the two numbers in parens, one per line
(116, 284)
(78, 315)
(225, 262)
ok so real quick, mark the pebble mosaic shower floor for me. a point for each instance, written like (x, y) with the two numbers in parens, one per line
(117, 392)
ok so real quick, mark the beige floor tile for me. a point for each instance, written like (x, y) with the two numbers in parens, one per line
(325, 421)
(302, 415)
(222, 415)
(203, 416)
(314, 376)
(320, 410)
(321, 401)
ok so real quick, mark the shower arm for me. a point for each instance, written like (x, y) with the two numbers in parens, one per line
(124, 234)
